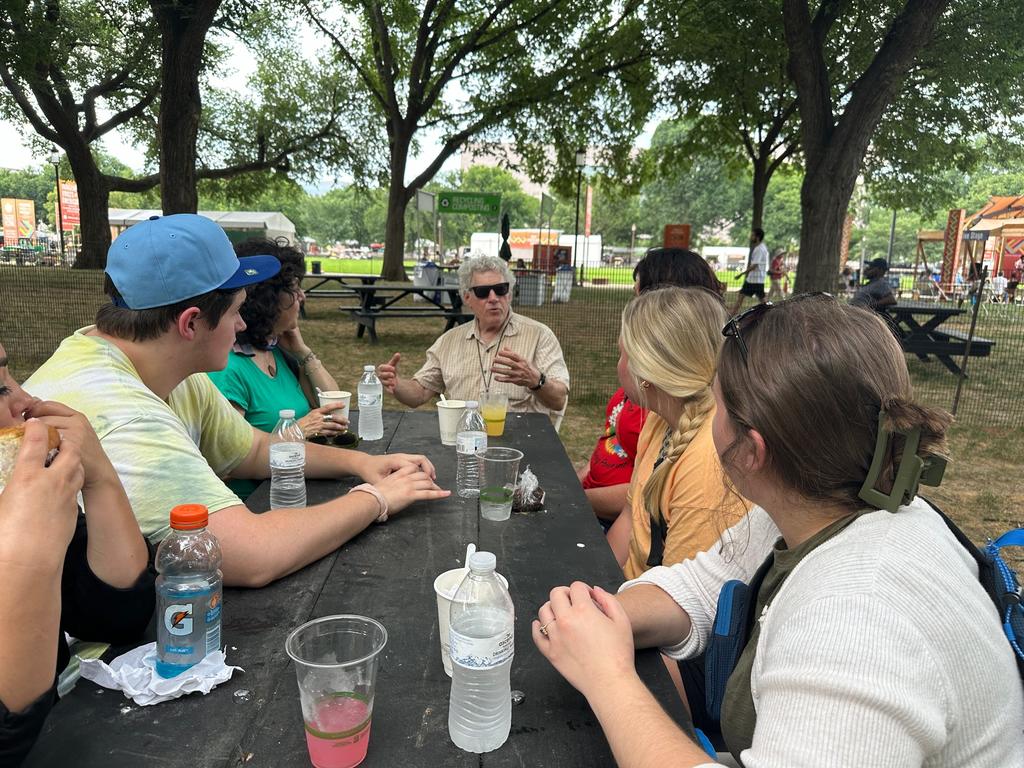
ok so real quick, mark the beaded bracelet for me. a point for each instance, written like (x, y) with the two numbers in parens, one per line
(307, 359)
(367, 488)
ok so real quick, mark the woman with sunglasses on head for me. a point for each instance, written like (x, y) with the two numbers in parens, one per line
(271, 367)
(607, 475)
(500, 351)
(871, 642)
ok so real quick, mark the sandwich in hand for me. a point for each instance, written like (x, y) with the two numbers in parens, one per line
(10, 444)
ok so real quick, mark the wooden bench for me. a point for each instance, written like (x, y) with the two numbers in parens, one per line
(367, 318)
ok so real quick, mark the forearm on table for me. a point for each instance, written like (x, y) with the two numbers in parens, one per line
(259, 549)
(608, 501)
(552, 395)
(325, 462)
(411, 393)
(30, 604)
(639, 731)
(658, 621)
(115, 549)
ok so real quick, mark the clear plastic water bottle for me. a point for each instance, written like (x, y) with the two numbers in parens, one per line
(287, 463)
(371, 398)
(188, 592)
(482, 646)
(470, 443)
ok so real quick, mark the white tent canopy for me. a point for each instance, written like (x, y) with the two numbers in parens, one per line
(268, 224)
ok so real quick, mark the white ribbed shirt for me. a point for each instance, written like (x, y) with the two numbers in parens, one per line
(880, 649)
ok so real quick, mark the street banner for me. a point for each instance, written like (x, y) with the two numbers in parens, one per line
(69, 215)
(547, 206)
(676, 236)
(26, 211)
(590, 207)
(9, 206)
(468, 202)
(424, 201)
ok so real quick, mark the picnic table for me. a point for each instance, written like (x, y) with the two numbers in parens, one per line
(333, 285)
(387, 572)
(919, 325)
(379, 300)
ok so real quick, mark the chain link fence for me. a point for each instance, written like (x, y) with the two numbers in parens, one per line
(40, 304)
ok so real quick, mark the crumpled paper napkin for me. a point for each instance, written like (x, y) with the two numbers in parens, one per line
(134, 673)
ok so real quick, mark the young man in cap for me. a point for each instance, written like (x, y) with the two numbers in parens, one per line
(139, 375)
(876, 293)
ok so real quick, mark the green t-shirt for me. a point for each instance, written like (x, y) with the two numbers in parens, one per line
(165, 452)
(260, 396)
(739, 717)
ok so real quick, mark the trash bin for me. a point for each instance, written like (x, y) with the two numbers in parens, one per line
(563, 283)
(317, 269)
(448, 280)
(424, 275)
(531, 289)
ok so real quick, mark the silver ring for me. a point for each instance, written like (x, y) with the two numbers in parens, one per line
(328, 417)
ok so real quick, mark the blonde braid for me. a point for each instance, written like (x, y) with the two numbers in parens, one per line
(695, 413)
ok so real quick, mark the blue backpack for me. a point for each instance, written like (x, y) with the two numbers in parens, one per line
(737, 600)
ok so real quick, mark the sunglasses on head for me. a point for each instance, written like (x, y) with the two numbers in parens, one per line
(744, 321)
(483, 291)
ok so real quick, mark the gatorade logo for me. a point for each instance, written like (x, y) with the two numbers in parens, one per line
(178, 619)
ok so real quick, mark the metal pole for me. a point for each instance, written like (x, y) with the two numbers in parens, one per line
(892, 238)
(970, 338)
(576, 229)
(60, 221)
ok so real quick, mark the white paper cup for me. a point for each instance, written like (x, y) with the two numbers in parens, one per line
(449, 412)
(445, 587)
(336, 396)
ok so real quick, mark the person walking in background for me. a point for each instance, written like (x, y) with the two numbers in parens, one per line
(999, 286)
(1016, 275)
(754, 275)
(779, 276)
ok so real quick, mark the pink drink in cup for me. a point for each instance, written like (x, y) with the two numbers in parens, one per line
(340, 733)
(336, 660)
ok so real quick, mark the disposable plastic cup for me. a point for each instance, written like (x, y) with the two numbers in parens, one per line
(500, 473)
(449, 412)
(494, 409)
(445, 587)
(336, 660)
(336, 396)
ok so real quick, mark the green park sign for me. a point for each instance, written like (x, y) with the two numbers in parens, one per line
(468, 202)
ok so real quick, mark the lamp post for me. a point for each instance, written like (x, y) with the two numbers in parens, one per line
(581, 161)
(632, 242)
(55, 159)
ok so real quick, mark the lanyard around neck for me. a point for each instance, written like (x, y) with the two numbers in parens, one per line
(487, 374)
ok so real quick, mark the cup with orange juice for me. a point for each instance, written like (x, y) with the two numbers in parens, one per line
(494, 408)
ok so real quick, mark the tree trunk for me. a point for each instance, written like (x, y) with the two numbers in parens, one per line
(93, 199)
(760, 189)
(398, 199)
(183, 29)
(824, 199)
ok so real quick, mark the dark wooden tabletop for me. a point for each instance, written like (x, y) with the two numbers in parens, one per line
(387, 573)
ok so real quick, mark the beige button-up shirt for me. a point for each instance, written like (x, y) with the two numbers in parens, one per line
(459, 362)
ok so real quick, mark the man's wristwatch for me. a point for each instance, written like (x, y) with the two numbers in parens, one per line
(540, 383)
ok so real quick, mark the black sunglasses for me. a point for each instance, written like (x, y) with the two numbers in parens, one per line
(483, 291)
(744, 321)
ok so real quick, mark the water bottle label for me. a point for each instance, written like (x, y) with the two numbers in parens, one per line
(471, 442)
(369, 399)
(481, 652)
(287, 455)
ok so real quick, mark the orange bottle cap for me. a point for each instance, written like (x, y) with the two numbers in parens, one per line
(189, 517)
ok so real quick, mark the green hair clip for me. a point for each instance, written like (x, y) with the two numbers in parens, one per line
(913, 469)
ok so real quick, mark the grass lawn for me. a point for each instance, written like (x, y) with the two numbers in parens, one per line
(982, 489)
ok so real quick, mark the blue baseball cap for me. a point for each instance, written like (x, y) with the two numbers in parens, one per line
(167, 259)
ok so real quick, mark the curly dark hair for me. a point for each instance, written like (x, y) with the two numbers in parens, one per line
(263, 303)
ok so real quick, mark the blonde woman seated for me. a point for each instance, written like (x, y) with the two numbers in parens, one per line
(668, 351)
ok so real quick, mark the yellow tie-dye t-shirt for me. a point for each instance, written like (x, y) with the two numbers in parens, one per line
(166, 453)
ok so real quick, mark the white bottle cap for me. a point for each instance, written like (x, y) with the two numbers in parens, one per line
(368, 368)
(287, 413)
(472, 404)
(482, 561)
